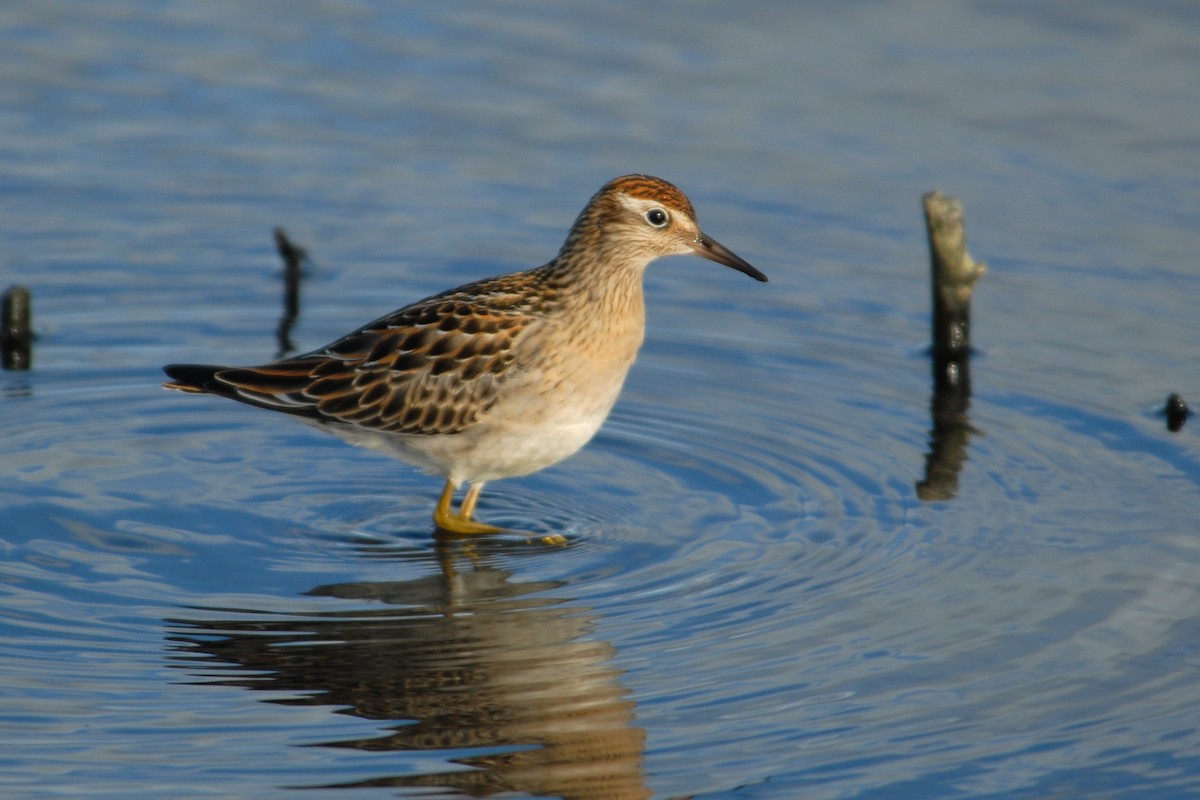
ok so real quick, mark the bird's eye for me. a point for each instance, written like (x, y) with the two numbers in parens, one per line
(657, 217)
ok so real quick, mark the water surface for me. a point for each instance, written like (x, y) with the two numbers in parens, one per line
(200, 599)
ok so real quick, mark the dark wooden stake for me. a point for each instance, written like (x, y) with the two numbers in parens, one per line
(293, 257)
(17, 339)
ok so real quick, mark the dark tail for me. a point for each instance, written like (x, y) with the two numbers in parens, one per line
(280, 387)
(192, 378)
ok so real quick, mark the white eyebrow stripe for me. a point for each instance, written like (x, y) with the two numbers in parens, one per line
(640, 204)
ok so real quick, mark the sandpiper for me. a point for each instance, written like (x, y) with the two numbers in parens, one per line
(497, 378)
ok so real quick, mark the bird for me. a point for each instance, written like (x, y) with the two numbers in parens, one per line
(496, 378)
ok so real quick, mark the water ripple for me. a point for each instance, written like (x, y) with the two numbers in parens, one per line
(746, 560)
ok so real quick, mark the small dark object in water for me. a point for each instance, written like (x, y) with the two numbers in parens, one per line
(1176, 411)
(17, 336)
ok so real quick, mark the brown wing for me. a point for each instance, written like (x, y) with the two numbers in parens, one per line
(431, 367)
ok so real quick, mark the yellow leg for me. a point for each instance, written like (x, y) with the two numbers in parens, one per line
(467, 509)
(460, 523)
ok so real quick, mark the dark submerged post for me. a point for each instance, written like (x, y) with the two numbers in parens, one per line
(1176, 412)
(17, 343)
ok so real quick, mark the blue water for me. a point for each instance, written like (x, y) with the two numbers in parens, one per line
(199, 599)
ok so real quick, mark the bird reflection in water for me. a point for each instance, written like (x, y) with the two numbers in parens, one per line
(461, 660)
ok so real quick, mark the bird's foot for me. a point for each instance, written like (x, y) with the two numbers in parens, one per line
(462, 526)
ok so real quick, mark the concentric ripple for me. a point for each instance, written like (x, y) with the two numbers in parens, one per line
(745, 557)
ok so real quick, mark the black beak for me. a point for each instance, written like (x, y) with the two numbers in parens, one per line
(715, 251)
